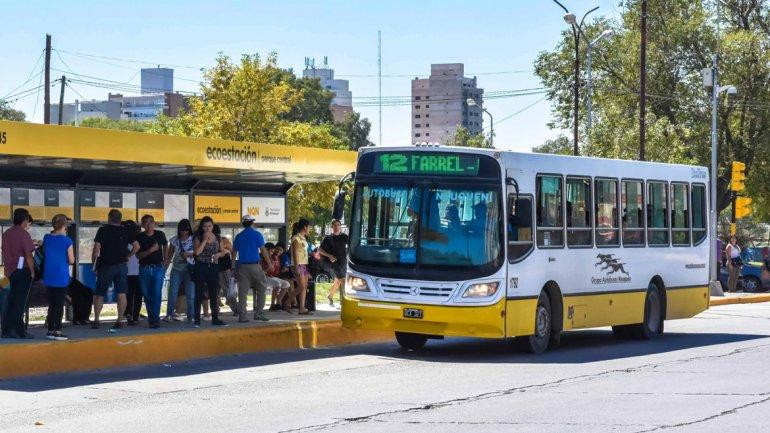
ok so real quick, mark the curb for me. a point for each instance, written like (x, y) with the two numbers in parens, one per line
(20, 360)
(748, 299)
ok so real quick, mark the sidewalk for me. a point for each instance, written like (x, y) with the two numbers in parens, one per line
(90, 349)
(739, 298)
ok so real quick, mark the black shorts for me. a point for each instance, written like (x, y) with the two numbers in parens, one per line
(337, 269)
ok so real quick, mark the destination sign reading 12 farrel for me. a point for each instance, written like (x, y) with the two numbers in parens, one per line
(451, 164)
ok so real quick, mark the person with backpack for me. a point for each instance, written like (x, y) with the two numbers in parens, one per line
(58, 255)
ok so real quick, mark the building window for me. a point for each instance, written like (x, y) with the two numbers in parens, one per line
(427, 134)
(416, 125)
(417, 134)
(417, 107)
(427, 125)
(417, 98)
(427, 97)
(427, 115)
(416, 116)
(427, 106)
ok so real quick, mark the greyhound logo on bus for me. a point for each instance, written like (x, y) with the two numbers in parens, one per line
(610, 265)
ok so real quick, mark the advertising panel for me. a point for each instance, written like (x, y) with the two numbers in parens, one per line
(223, 209)
(266, 210)
(95, 205)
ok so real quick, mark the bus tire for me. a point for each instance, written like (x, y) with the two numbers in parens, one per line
(411, 341)
(652, 326)
(538, 342)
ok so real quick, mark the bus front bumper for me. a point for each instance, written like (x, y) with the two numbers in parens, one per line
(460, 321)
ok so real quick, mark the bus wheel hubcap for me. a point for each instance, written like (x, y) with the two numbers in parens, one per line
(542, 322)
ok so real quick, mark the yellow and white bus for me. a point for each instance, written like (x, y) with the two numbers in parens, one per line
(483, 243)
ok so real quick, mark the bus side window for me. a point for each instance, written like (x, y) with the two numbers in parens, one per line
(698, 213)
(632, 202)
(519, 227)
(550, 217)
(657, 213)
(680, 214)
(579, 212)
(607, 227)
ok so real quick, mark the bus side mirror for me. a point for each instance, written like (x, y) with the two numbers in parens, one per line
(339, 205)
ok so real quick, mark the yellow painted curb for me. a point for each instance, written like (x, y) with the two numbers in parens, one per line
(19, 360)
(749, 299)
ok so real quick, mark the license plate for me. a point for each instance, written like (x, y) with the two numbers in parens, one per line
(413, 313)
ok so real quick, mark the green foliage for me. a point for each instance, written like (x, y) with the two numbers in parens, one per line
(464, 138)
(8, 113)
(354, 130)
(559, 146)
(681, 40)
(107, 123)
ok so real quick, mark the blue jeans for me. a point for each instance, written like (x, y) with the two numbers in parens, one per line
(177, 278)
(151, 279)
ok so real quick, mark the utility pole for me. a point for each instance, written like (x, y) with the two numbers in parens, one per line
(61, 98)
(47, 89)
(379, 77)
(643, 82)
(576, 93)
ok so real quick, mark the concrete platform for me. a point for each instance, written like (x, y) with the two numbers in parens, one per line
(90, 349)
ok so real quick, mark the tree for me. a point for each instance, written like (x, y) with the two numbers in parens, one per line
(106, 123)
(464, 138)
(561, 145)
(353, 130)
(315, 104)
(681, 40)
(8, 113)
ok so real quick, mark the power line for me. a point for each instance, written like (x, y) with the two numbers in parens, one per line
(417, 75)
(130, 68)
(84, 101)
(29, 78)
(37, 98)
(510, 116)
(128, 60)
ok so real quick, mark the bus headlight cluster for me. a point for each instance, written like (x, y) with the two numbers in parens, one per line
(356, 284)
(482, 290)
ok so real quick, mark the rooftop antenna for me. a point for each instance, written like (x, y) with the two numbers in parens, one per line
(326, 62)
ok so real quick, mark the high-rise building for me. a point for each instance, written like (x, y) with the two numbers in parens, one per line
(439, 104)
(157, 80)
(343, 97)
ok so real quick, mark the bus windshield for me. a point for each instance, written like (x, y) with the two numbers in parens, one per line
(427, 226)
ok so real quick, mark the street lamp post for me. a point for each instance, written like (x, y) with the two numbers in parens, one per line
(577, 31)
(605, 34)
(710, 78)
(472, 103)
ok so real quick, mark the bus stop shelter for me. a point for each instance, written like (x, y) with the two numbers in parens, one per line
(85, 172)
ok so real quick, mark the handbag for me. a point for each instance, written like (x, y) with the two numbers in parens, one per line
(232, 288)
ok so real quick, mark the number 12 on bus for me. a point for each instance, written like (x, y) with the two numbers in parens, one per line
(483, 243)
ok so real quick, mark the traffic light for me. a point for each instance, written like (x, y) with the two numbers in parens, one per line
(738, 179)
(742, 207)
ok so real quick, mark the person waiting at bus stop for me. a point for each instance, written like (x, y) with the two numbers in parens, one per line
(152, 274)
(20, 270)
(299, 262)
(110, 256)
(59, 256)
(334, 249)
(207, 250)
(180, 257)
(734, 263)
(247, 248)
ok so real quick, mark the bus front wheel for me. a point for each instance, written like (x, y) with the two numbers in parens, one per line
(410, 341)
(538, 342)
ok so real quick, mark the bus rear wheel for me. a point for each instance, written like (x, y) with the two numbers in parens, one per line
(411, 341)
(652, 326)
(538, 342)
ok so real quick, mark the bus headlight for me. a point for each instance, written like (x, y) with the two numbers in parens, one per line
(356, 284)
(482, 290)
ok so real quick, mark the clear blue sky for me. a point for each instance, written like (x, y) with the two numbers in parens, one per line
(487, 36)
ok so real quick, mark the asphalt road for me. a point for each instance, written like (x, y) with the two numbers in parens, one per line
(709, 373)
